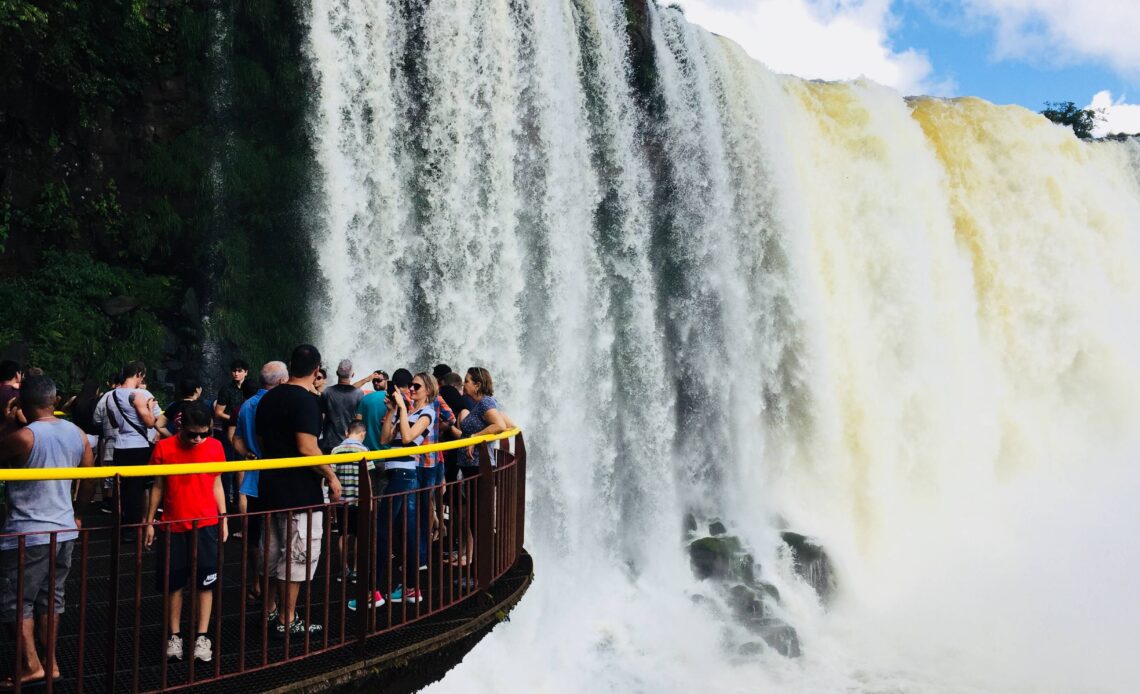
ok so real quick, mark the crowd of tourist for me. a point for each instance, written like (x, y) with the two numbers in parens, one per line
(288, 411)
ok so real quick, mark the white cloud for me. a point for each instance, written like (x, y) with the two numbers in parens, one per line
(819, 39)
(1066, 31)
(1119, 116)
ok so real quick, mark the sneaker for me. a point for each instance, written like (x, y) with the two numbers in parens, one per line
(272, 616)
(352, 576)
(105, 506)
(376, 601)
(399, 595)
(203, 648)
(298, 628)
(174, 647)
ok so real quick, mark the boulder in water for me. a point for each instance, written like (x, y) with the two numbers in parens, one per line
(716, 528)
(777, 633)
(714, 557)
(745, 603)
(811, 563)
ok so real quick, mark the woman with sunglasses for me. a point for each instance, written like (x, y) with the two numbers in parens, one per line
(398, 505)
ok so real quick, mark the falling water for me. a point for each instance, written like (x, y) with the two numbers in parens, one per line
(220, 60)
(905, 326)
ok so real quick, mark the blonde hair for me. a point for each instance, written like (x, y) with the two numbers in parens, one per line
(430, 385)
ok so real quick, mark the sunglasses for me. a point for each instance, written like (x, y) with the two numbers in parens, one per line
(415, 386)
(195, 435)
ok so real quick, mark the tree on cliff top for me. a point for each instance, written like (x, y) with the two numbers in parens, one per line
(1082, 121)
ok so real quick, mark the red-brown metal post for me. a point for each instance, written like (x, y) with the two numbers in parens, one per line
(485, 521)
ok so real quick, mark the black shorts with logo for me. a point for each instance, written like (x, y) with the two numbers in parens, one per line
(181, 546)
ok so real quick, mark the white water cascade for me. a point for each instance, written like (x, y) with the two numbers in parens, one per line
(907, 327)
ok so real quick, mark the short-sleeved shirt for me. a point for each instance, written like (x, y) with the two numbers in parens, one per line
(410, 462)
(444, 417)
(174, 415)
(282, 413)
(372, 409)
(248, 434)
(129, 427)
(349, 473)
(188, 497)
(338, 403)
(230, 397)
(473, 423)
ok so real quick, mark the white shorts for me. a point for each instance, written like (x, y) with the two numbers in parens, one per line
(304, 551)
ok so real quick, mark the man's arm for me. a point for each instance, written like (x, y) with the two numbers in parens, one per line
(15, 448)
(307, 445)
(152, 507)
(143, 408)
(366, 379)
(86, 487)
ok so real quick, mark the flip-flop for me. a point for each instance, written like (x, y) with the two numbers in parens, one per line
(7, 684)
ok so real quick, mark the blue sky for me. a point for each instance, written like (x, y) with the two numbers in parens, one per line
(1021, 52)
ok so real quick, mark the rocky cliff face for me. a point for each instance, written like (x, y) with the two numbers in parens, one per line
(130, 204)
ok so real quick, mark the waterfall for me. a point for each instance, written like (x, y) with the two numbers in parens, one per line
(220, 55)
(907, 327)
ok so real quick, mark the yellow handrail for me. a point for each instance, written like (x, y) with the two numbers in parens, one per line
(77, 473)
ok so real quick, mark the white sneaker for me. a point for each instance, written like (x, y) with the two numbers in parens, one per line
(203, 649)
(174, 647)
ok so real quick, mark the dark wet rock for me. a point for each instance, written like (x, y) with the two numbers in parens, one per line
(750, 648)
(689, 524)
(745, 603)
(190, 309)
(119, 305)
(778, 634)
(717, 528)
(811, 563)
(767, 589)
(714, 557)
(746, 568)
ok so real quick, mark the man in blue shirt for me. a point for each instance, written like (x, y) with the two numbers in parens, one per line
(273, 374)
(372, 409)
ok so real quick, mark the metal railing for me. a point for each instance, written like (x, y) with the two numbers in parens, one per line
(114, 637)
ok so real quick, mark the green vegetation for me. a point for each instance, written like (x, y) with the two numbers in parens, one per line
(1082, 121)
(129, 198)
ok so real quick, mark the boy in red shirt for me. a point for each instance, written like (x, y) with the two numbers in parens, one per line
(188, 501)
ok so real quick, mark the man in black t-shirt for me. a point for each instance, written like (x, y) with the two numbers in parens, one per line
(288, 422)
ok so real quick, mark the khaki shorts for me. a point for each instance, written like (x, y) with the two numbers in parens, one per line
(304, 551)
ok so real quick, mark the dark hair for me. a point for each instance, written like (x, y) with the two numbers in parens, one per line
(9, 369)
(239, 364)
(452, 379)
(482, 378)
(132, 369)
(196, 414)
(305, 360)
(440, 371)
(323, 372)
(356, 426)
(37, 392)
(187, 386)
(401, 378)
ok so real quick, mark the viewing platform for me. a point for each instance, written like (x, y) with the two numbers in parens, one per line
(111, 636)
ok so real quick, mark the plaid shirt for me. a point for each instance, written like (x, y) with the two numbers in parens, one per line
(349, 473)
(445, 417)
